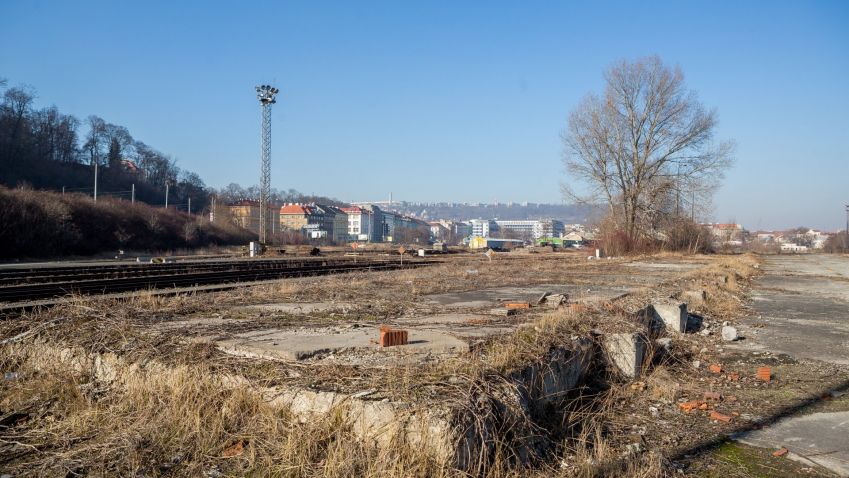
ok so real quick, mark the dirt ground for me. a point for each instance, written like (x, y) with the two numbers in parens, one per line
(319, 334)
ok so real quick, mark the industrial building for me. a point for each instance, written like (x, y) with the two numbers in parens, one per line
(478, 242)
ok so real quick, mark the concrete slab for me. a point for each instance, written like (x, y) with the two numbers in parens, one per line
(819, 438)
(300, 308)
(299, 344)
(801, 308)
(497, 296)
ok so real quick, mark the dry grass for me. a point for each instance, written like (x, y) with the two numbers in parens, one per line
(171, 414)
(177, 421)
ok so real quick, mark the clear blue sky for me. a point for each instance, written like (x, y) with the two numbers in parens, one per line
(454, 101)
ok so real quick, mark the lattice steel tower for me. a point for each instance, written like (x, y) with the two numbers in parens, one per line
(265, 94)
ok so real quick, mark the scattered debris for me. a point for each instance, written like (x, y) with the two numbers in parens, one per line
(713, 396)
(236, 449)
(729, 333)
(764, 374)
(517, 305)
(780, 452)
(554, 301)
(714, 415)
(664, 343)
(390, 337)
(638, 386)
(715, 368)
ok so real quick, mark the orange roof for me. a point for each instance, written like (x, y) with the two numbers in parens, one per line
(298, 209)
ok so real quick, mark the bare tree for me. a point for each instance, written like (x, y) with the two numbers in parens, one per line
(642, 144)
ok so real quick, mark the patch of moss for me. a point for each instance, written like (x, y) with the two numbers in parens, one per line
(736, 459)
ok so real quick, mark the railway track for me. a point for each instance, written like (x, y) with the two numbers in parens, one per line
(31, 284)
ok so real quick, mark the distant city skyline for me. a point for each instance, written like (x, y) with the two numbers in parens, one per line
(455, 102)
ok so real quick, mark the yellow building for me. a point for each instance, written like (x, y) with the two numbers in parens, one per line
(478, 242)
(246, 214)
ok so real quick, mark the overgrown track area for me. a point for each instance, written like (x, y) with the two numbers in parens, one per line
(27, 284)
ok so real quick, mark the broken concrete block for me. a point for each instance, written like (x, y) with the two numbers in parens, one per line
(560, 372)
(504, 311)
(626, 352)
(729, 334)
(672, 315)
(554, 301)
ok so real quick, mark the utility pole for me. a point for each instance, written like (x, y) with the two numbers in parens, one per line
(212, 211)
(678, 192)
(265, 94)
(847, 220)
(190, 206)
(133, 194)
(63, 190)
(166, 194)
(95, 181)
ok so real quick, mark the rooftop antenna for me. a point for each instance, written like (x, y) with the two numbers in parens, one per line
(265, 94)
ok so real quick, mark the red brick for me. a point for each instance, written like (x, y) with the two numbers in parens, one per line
(714, 415)
(390, 337)
(713, 396)
(715, 368)
(780, 452)
(734, 377)
(764, 374)
(518, 305)
(689, 406)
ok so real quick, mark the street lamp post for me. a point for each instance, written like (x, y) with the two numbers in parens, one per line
(265, 94)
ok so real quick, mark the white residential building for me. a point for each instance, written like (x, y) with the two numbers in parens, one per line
(482, 227)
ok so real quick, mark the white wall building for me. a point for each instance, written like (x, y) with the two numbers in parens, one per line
(482, 227)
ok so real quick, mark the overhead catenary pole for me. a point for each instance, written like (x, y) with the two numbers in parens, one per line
(166, 194)
(847, 219)
(265, 94)
(95, 181)
(133, 194)
(190, 206)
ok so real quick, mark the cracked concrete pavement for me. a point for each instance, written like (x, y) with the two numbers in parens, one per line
(801, 308)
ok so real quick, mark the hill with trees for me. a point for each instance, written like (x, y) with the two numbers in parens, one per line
(48, 224)
(47, 149)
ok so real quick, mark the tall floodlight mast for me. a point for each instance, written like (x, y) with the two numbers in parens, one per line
(265, 94)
